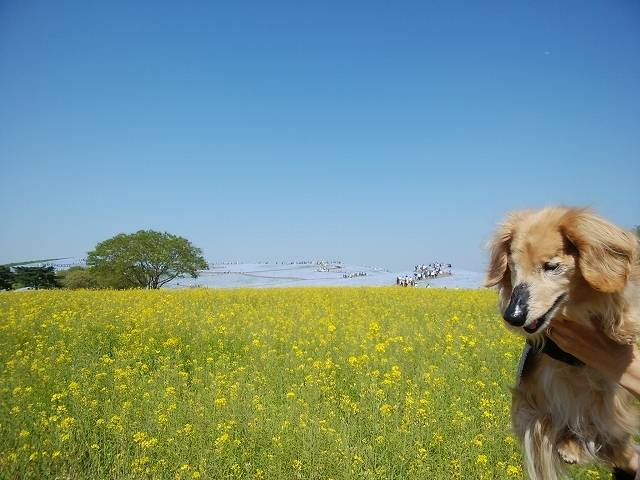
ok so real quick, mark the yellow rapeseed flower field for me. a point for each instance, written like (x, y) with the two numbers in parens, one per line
(299, 383)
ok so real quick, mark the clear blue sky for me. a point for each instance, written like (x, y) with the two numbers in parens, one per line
(385, 133)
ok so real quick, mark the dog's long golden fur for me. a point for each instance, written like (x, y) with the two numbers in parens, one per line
(580, 267)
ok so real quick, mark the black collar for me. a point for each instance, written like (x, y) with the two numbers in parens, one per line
(554, 351)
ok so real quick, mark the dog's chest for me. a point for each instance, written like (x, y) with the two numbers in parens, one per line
(567, 392)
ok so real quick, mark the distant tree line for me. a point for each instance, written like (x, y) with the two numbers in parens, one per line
(145, 259)
(34, 277)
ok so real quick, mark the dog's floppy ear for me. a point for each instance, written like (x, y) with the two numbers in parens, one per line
(499, 261)
(605, 251)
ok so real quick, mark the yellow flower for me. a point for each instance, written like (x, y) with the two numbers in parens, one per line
(386, 409)
(67, 422)
(241, 365)
(514, 471)
(149, 443)
(221, 440)
(172, 342)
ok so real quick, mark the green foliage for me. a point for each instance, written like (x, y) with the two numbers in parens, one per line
(6, 278)
(79, 277)
(146, 258)
(111, 280)
(89, 278)
(36, 277)
(637, 230)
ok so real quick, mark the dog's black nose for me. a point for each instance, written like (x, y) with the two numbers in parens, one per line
(516, 312)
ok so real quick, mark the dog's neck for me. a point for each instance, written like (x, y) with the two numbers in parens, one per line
(550, 348)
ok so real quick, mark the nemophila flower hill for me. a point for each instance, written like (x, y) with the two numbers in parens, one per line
(339, 383)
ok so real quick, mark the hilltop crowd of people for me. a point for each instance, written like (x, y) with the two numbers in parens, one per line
(433, 270)
(267, 262)
(354, 274)
(424, 272)
(405, 281)
(327, 266)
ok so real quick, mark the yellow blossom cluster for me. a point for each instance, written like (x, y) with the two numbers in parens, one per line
(340, 383)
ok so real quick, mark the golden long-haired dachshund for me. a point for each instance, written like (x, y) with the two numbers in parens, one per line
(568, 263)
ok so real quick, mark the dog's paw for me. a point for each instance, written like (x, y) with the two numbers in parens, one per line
(568, 456)
(570, 452)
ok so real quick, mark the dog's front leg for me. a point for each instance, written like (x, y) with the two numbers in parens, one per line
(539, 440)
(572, 451)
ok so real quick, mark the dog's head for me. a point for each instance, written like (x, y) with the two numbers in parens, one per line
(540, 258)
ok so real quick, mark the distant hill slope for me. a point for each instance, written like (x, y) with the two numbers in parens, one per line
(32, 262)
(303, 274)
(262, 275)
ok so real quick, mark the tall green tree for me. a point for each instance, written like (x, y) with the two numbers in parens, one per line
(36, 277)
(6, 278)
(147, 258)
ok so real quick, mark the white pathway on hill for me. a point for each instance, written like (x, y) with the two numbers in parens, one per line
(277, 275)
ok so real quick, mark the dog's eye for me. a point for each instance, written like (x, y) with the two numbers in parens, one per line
(550, 266)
